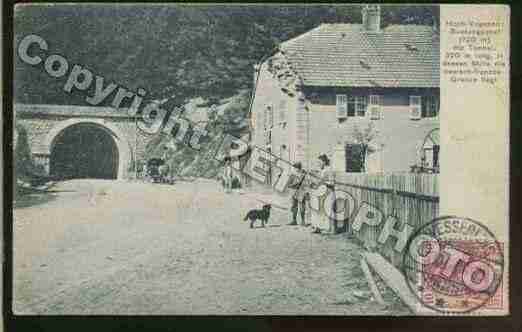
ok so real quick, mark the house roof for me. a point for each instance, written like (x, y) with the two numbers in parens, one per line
(346, 55)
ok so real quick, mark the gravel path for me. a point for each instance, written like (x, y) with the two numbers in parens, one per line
(107, 247)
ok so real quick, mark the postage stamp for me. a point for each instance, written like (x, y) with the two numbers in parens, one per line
(455, 265)
(239, 159)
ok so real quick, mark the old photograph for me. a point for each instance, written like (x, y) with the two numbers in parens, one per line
(249, 159)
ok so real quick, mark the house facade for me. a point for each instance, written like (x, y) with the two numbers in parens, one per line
(366, 96)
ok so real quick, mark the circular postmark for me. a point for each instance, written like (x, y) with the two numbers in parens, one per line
(454, 265)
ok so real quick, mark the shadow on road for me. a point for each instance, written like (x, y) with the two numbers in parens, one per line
(27, 197)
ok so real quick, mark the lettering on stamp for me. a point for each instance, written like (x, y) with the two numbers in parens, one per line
(455, 265)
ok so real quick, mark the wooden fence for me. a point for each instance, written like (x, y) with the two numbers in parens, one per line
(411, 198)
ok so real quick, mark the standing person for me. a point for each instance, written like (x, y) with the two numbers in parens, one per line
(321, 218)
(299, 197)
(239, 154)
(227, 175)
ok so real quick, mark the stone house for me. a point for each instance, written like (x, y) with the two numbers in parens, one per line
(324, 87)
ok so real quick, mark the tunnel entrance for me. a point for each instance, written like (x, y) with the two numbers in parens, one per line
(84, 150)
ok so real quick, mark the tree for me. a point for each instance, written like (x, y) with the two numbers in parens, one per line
(176, 52)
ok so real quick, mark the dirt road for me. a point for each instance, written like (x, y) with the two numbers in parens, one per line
(107, 247)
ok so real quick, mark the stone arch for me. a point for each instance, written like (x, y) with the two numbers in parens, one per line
(122, 144)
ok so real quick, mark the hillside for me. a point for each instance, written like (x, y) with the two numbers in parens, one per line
(177, 53)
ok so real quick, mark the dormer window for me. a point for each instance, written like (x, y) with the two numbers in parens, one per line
(364, 64)
(410, 47)
(353, 106)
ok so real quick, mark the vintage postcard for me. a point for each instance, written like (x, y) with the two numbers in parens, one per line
(249, 159)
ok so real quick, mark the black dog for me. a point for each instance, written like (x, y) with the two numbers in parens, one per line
(263, 215)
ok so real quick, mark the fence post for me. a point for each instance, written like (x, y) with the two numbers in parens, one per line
(411, 198)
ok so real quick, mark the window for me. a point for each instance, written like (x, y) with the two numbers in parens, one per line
(430, 152)
(415, 107)
(410, 47)
(357, 106)
(341, 106)
(355, 156)
(430, 106)
(282, 110)
(375, 107)
(430, 158)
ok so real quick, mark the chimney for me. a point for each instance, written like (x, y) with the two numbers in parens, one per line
(371, 17)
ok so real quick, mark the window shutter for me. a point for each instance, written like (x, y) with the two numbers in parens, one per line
(430, 106)
(437, 106)
(415, 107)
(375, 107)
(342, 106)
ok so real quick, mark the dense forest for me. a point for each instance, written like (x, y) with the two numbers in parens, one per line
(177, 53)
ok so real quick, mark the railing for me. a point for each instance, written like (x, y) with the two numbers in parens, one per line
(411, 198)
